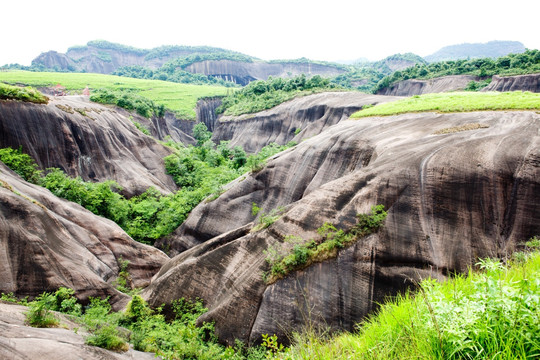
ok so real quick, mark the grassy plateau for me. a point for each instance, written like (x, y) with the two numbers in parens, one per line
(179, 98)
(455, 102)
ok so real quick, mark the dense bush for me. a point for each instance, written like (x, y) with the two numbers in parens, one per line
(28, 94)
(21, 163)
(128, 101)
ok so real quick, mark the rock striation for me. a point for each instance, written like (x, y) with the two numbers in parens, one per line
(451, 199)
(298, 119)
(88, 140)
(47, 242)
(530, 82)
(244, 72)
(418, 87)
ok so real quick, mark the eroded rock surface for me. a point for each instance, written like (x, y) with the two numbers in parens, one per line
(86, 139)
(47, 242)
(418, 87)
(21, 342)
(297, 119)
(530, 82)
(451, 199)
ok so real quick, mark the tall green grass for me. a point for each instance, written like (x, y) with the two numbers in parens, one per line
(455, 102)
(493, 313)
(180, 98)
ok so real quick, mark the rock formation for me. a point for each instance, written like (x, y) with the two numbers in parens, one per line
(418, 87)
(47, 242)
(21, 342)
(86, 139)
(530, 82)
(244, 72)
(297, 119)
(451, 199)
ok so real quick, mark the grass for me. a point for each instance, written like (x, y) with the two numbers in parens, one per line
(27, 94)
(464, 127)
(455, 102)
(179, 98)
(490, 313)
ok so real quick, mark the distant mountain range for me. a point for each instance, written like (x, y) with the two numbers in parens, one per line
(492, 49)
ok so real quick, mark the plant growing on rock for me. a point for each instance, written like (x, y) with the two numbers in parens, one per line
(295, 254)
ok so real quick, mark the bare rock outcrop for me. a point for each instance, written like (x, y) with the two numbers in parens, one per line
(47, 242)
(451, 199)
(296, 120)
(418, 87)
(530, 82)
(244, 72)
(21, 342)
(86, 139)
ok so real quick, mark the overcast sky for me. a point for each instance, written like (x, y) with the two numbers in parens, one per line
(320, 30)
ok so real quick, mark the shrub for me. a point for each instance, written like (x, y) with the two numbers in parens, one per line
(107, 337)
(21, 163)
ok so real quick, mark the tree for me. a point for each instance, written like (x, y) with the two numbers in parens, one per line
(201, 133)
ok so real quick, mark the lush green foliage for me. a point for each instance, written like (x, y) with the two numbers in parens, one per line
(261, 95)
(304, 60)
(21, 163)
(455, 102)
(129, 101)
(200, 171)
(488, 314)
(148, 329)
(179, 98)
(295, 253)
(107, 45)
(265, 219)
(512, 64)
(28, 94)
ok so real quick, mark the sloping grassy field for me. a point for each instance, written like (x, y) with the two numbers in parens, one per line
(455, 102)
(180, 98)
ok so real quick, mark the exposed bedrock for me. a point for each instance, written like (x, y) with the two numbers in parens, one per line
(297, 119)
(86, 139)
(530, 82)
(244, 72)
(47, 242)
(206, 111)
(451, 199)
(418, 87)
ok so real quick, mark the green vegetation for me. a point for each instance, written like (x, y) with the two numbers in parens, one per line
(295, 253)
(145, 328)
(265, 220)
(200, 171)
(179, 98)
(512, 64)
(487, 314)
(129, 101)
(261, 95)
(28, 94)
(21, 163)
(455, 102)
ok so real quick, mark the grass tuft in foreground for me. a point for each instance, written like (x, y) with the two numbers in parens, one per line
(455, 102)
(27, 94)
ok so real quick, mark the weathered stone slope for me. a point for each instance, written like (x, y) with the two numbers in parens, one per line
(47, 242)
(451, 199)
(244, 72)
(530, 82)
(297, 119)
(86, 139)
(418, 87)
(21, 342)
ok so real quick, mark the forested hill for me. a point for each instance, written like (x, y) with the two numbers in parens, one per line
(491, 49)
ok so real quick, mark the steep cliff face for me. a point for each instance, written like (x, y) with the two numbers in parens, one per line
(451, 199)
(86, 139)
(206, 112)
(296, 120)
(47, 242)
(53, 59)
(244, 72)
(530, 82)
(436, 85)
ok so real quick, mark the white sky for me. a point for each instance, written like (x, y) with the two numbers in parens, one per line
(277, 29)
